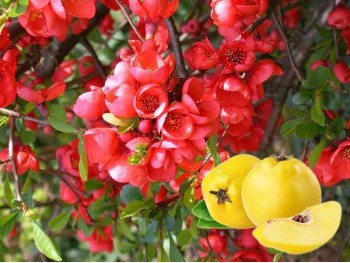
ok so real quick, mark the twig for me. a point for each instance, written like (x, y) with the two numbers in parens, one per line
(122, 8)
(175, 42)
(13, 162)
(16, 114)
(76, 194)
(288, 48)
(97, 62)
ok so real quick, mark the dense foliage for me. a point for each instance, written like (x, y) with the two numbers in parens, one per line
(113, 111)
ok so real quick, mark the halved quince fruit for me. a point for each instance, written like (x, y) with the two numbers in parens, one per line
(301, 233)
(279, 187)
(221, 189)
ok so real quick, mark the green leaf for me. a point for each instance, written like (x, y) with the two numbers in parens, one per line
(300, 111)
(184, 238)
(213, 149)
(7, 223)
(332, 101)
(8, 192)
(185, 185)
(188, 198)
(336, 130)
(316, 152)
(202, 223)
(125, 230)
(58, 119)
(152, 232)
(130, 193)
(201, 211)
(317, 114)
(320, 77)
(83, 162)
(302, 97)
(93, 184)
(19, 8)
(44, 243)
(174, 253)
(59, 222)
(133, 208)
(4, 120)
(308, 130)
(277, 256)
(133, 122)
(288, 127)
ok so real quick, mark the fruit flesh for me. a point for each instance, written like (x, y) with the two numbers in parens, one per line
(278, 189)
(287, 235)
(228, 176)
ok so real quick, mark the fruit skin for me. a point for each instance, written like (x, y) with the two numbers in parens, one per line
(277, 188)
(287, 235)
(229, 175)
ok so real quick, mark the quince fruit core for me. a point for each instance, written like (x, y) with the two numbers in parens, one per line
(301, 233)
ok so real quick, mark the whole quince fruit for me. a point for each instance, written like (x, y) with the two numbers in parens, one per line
(221, 189)
(301, 233)
(279, 187)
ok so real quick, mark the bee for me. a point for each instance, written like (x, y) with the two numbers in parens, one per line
(221, 195)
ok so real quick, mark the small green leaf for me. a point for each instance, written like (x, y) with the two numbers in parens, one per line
(174, 253)
(93, 184)
(61, 126)
(202, 223)
(130, 193)
(320, 77)
(185, 185)
(7, 223)
(317, 114)
(213, 149)
(125, 230)
(133, 208)
(133, 122)
(8, 192)
(152, 232)
(188, 198)
(184, 238)
(83, 162)
(201, 211)
(59, 222)
(302, 97)
(300, 111)
(332, 101)
(44, 243)
(288, 127)
(316, 152)
(277, 256)
(308, 130)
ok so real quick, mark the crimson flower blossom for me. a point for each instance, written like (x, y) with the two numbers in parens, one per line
(323, 169)
(90, 105)
(175, 123)
(202, 55)
(8, 84)
(340, 160)
(342, 72)
(68, 158)
(25, 159)
(99, 240)
(153, 10)
(150, 101)
(119, 101)
(237, 56)
(39, 96)
(339, 17)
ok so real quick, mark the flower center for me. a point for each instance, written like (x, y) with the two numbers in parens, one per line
(346, 154)
(236, 55)
(149, 103)
(172, 122)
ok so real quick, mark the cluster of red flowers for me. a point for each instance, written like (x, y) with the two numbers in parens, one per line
(334, 164)
(249, 248)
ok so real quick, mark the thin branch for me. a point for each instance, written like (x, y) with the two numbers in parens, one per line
(16, 114)
(175, 42)
(12, 160)
(97, 62)
(122, 8)
(288, 48)
(74, 191)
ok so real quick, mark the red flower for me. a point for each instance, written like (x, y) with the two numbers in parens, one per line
(233, 91)
(8, 84)
(251, 7)
(175, 123)
(202, 55)
(342, 72)
(244, 239)
(100, 240)
(340, 160)
(239, 118)
(153, 10)
(248, 255)
(4, 38)
(323, 169)
(119, 101)
(25, 159)
(149, 67)
(100, 144)
(90, 105)
(339, 17)
(236, 56)
(68, 158)
(224, 13)
(150, 101)
(217, 242)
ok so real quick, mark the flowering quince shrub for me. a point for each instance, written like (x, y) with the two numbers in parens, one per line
(112, 112)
